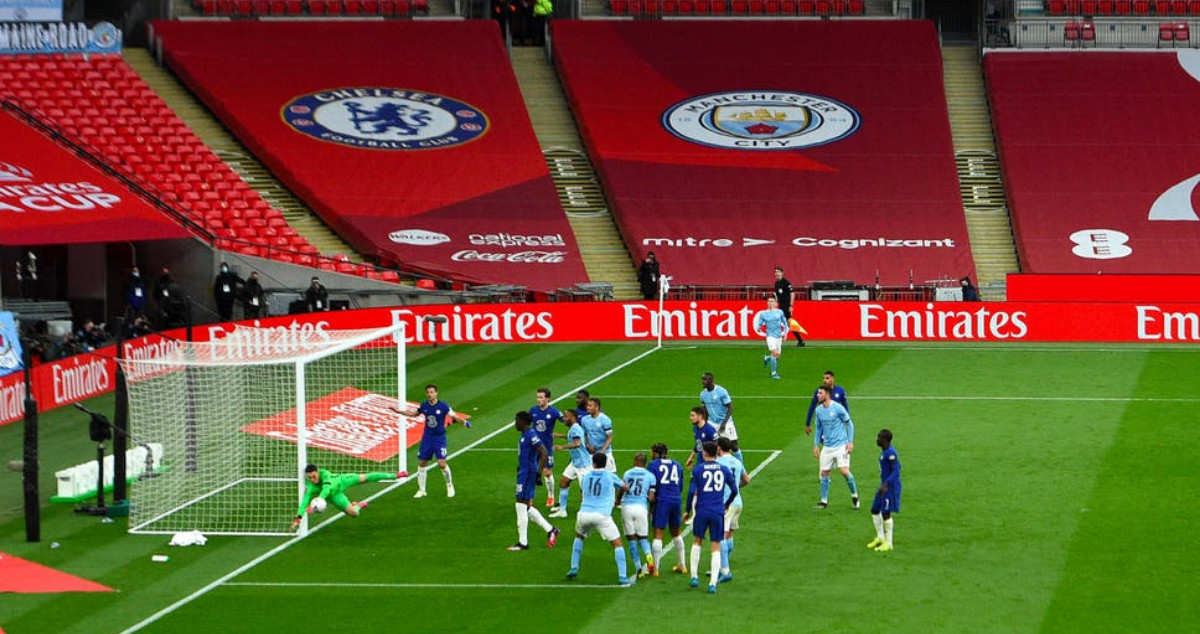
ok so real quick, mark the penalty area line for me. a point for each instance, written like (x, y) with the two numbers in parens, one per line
(153, 618)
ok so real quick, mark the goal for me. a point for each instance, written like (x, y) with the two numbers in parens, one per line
(240, 417)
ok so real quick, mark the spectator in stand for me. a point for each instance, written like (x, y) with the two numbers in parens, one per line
(969, 292)
(254, 300)
(176, 312)
(162, 294)
(316, 296)
(27, 278)
(505, 13)
(225, 289)
(648, 274)
(542, 10)
(138, 327)
(87, 338)
(783, 297)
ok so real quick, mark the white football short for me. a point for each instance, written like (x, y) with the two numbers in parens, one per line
(636, 519)
(831, 456)
(587, 521)
(731, 517)
(775, 344)
(730, 430)
(574, 473)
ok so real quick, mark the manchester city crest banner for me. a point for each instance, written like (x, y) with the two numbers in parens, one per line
(10, 345)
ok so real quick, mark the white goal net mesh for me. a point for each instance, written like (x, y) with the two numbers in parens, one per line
(239, 418)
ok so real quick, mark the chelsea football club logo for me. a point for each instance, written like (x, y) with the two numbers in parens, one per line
(385, 118)
(761, 120)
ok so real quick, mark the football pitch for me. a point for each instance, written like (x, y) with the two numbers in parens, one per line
(1046, 489)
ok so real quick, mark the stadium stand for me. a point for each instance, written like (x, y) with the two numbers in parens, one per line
(101, 104)
(475, 204)
(841, 207)
(735, 8)
(1099, 158)
(312, 8)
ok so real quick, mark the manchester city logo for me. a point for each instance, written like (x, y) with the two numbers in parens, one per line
(761, 120)
(385, 118)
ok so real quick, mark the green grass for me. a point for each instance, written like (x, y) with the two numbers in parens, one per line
(1046, 489)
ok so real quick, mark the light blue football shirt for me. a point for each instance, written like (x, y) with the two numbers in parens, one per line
(599, 491)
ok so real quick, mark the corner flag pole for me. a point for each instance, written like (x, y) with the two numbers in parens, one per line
(664, 285)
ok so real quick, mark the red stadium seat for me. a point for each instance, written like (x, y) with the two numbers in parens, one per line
(1056, 7)
(1183, 33)
(1194, 7)
(635, 7)
(758, 7)
(824, 7)
(703, 7)
(856, 7)
(1166, 33)
(354, 7)
(651, 7)
(670, 7)
(719, 7)
(1105, 7)
(739, 7)
(773, 7)
(1179, 7)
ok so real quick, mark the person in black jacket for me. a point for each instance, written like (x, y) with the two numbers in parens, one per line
(783, 295)
(316, 296)
(225, 289)
(648, 274)
(254, 300)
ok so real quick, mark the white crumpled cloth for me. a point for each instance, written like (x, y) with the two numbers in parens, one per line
(189, 538)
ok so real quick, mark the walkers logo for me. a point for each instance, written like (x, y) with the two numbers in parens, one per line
(10, 173)
(761, 120)
(1177, 203)
(385, 119)
(418, 237)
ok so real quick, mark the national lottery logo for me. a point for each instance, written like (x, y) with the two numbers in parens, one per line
(385, 118)
(761, 120)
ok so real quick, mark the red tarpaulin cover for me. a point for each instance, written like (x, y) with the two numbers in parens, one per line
(410, 139)
(50, 196)
(729, 147)
(1101, 157)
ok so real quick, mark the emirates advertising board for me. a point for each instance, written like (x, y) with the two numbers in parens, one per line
(77, 378)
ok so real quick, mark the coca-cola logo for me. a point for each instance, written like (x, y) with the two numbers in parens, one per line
(520, 257)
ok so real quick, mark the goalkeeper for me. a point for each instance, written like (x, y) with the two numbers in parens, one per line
(331, 487)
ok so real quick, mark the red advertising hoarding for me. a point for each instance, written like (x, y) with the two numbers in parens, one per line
(84, 376)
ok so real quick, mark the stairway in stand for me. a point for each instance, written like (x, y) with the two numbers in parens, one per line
(980, 181)
(604, 254)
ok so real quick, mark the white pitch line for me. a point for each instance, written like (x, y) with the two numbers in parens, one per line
(405, 586)
(909, 397)
(150, 620)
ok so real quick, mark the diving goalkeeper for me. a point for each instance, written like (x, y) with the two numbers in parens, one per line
(331, 487)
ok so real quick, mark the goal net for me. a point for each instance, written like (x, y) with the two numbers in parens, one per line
(240, 417)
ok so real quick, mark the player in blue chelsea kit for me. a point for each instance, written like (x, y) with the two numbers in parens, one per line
(545, 416)
(667, 497)
(595, 513)
(710, 481)
(887, 498)
(702, 432)
(531, 461)
(635, 514)
(433, 439)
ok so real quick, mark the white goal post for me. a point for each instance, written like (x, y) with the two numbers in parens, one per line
(241, 416)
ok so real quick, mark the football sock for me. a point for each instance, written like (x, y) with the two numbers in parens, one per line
(446, 473)
(724, 554)
(619, 554)
(522, 524)
(730, 540)
(824, 488)
(887, 531)
(576, 552)
(377, 476)
(656, 550)
(877, 519)
(677, 542)
(562, 497)
(633, 553)
(539, 519)
(850, 483)
(714, 560)
(695, 560)
(421, 476)
(645, 543)
(774, 363)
